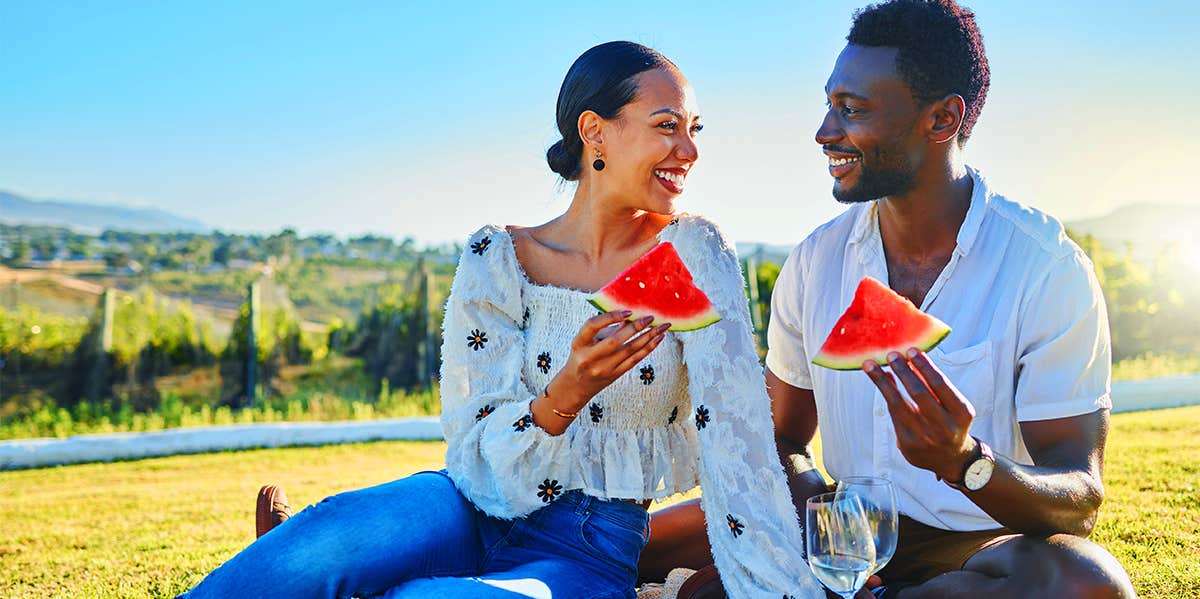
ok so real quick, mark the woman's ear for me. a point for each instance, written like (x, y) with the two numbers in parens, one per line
(946, 118)
(591, 130)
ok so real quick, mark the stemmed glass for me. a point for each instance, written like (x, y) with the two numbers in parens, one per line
(841, 546)
(879, 503)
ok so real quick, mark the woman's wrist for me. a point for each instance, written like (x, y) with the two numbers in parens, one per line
(553, 412)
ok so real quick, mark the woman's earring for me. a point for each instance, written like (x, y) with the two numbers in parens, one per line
(598, 163)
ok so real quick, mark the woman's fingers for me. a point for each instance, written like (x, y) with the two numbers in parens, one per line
(614, 342)
(641, 347)
(593, 326)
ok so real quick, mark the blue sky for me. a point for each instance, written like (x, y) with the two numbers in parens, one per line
(430, 119)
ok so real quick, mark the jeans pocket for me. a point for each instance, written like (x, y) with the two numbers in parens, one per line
(619, 544)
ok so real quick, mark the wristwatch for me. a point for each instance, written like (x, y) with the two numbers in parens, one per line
(978, 470)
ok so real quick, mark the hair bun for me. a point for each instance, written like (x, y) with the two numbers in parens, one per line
(562, 161)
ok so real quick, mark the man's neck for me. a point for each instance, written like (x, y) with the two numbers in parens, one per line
(924, 223)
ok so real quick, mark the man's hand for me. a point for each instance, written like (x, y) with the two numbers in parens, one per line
(932, 430)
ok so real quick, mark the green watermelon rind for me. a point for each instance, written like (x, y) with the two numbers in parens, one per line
(604, 303)
(939, 331)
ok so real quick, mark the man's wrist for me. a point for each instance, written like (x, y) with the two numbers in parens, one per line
(955, 467)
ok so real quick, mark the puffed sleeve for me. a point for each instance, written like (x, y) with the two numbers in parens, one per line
(497, 457)
(755, 534)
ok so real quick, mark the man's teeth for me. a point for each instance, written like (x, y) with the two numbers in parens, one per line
(840, 161)
(672, 177)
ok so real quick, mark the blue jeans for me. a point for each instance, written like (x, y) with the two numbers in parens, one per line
(419, 537)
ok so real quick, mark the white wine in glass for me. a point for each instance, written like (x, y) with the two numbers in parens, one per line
(879, 503)
(841, 547)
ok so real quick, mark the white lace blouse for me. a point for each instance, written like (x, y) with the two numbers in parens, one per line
(695, 411)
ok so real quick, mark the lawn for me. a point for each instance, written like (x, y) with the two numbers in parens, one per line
(154, 527)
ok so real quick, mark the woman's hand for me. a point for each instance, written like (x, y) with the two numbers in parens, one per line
(600, 354)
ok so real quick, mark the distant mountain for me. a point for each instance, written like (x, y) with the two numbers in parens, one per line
(92, 218)
(1148, 227)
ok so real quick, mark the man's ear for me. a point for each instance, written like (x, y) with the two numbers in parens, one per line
(946, 118)
(591, 130)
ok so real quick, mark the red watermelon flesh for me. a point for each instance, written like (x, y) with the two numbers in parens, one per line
(658, 284)
(879, 321)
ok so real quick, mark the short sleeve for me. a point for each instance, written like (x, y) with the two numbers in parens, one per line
(497, 457)
(755, 534)
(1064, 360)
(786, 356)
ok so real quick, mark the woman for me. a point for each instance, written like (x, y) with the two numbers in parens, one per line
(562, 425)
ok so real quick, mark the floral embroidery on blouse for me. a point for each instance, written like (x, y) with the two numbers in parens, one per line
(523, 423)
(597, 412)
(674, 415)
(647, 375)
(702, 418)
(477, 339)
(481, 246)
(735, 527)
(549, 490)
(484, 412)
(543, 362)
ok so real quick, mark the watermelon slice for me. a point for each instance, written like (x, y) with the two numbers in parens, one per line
(879, 321)
(658, 284)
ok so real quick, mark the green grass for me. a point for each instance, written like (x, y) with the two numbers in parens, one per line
(155, 527)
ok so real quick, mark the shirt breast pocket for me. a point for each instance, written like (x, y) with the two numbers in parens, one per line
(970, 370)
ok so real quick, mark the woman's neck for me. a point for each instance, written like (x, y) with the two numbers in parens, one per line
(595, 226)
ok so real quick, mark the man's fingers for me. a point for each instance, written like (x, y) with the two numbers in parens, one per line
(902, 412)
(920, 393)
(593, 326)
(959, 407)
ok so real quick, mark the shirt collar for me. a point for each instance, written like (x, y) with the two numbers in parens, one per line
(866, 223)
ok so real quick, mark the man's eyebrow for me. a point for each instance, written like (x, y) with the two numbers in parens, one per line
(845, 94)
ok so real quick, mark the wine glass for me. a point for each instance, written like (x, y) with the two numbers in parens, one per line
(879, 502)
(841, 547)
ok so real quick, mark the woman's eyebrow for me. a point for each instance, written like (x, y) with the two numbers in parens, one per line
(675, 113)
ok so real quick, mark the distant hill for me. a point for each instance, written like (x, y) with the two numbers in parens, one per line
(92, 218)
(1147, 227)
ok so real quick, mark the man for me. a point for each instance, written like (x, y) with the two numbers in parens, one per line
(994, 440)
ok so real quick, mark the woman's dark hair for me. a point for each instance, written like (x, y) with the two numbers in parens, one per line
(940, 50)
(600, 80)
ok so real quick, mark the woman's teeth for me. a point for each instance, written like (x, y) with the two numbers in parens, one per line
(840, 161)
(672, 177)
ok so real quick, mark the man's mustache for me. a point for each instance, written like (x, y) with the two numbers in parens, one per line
(840, 149)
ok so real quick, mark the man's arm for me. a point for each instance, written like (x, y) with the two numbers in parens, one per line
(795, 413)
(1060, 493)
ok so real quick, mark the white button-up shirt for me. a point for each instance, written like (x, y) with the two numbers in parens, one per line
(1030, 341)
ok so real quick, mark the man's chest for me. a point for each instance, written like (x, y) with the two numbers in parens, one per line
(914, 279)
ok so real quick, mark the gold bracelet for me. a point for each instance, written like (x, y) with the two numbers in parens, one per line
(567, 415)
(557, 412)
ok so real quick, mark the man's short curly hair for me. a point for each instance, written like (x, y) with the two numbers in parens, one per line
(940, 49)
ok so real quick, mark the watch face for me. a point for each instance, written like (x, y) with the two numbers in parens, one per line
(978, 474)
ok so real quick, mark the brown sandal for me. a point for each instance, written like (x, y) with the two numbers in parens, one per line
(272, 509)
(704, 584)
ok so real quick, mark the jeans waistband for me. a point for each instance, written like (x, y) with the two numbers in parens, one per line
(632, 515)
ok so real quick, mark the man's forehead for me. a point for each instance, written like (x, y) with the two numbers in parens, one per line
(858, 68)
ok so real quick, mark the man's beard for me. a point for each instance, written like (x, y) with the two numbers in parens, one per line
(890, 174)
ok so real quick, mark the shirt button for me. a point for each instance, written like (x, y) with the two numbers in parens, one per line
(879, 411)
